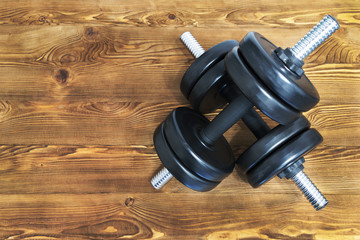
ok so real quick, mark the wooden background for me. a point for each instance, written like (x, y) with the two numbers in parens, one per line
(83, 85)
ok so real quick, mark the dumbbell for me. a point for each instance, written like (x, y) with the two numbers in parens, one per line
(206, 131)
(214, 88)
(280, 71)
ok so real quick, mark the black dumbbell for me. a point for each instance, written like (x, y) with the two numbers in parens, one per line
(207, 136)
(279, 73)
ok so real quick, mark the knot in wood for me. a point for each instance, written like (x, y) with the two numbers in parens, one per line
(61, 76)
(171, 16)
(42, 19)
(129, 201)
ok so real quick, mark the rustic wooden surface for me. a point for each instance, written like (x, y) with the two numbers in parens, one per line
(83, 84)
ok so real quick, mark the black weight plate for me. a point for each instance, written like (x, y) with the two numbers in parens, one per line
(263, 147)
(257, 92)
(259, 54)
(182, 128)
(203, 63)
(176, 168)
(283, 157)
(205, 96)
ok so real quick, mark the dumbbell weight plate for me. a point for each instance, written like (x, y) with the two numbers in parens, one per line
(182, 128)
(203, 64)
(259, 54)
(257, 92)
(283, 157)
(270, 142)
(177, 169)
(205, 96)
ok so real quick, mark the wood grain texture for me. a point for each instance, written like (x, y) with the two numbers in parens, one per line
(133, 123)
(83, 85)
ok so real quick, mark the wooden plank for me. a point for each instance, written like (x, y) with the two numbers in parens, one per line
(225, 14)
(83, 63)
(83, 44)
(49, 169)
(84, 84)
(121, 123)
(336, 83)
(148, 216)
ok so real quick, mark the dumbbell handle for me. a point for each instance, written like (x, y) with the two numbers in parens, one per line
(231, 114)
(252, 119)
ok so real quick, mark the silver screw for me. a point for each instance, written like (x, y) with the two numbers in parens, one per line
(161, 178)
(316, 36)
(192, 44)
(311, 192)
(164, 176)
